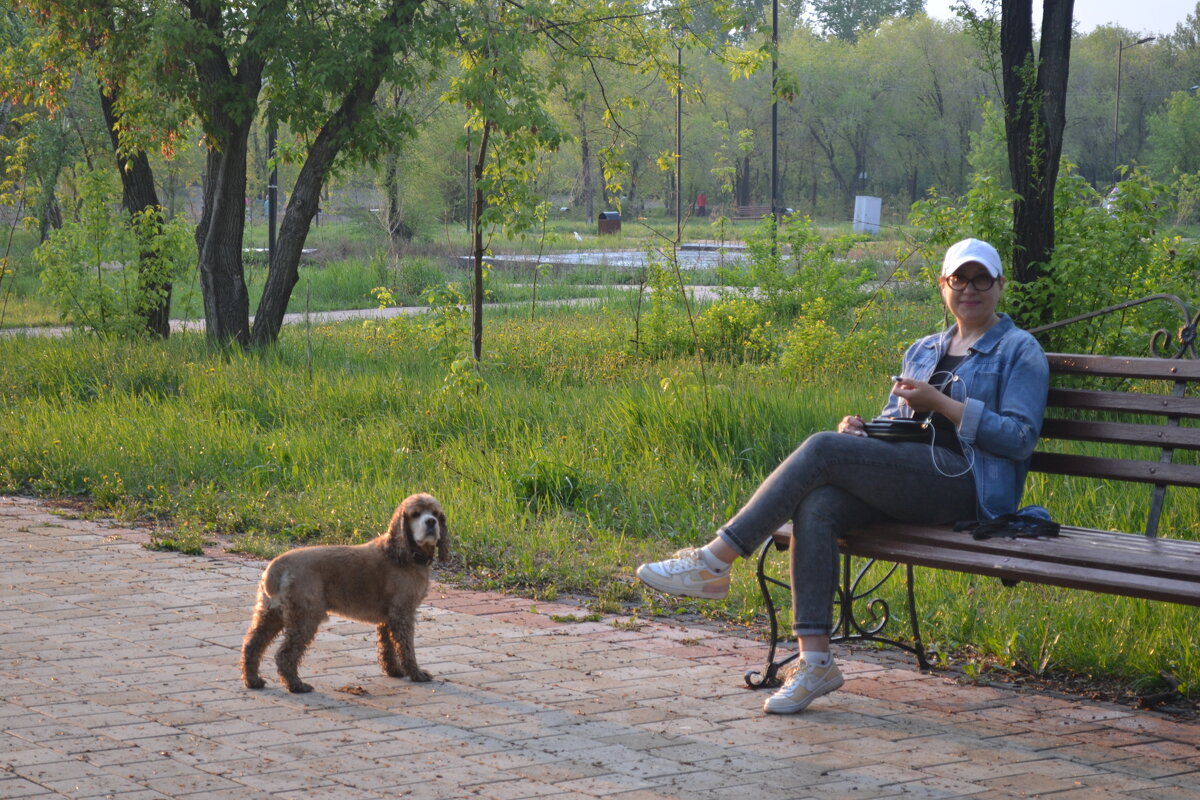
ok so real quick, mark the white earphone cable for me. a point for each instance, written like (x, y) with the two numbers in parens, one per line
(954, 381)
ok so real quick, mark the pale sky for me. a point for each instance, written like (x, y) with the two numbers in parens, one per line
(1139, 16)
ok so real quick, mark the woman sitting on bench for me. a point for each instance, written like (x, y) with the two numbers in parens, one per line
(981, 383)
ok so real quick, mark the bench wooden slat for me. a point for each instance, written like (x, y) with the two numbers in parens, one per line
(1121, 433)
(1124, 367)
(1124, 402)
(1119, 469)
(1073, 547)
(750, 212)
(1016, 567)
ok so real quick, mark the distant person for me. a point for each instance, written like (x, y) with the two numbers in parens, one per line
(982, 382)
(702, 205)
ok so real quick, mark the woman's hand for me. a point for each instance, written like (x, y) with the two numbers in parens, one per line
(852, 425)
(922, 397)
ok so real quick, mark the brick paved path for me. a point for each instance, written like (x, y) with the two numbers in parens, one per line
(118, 678)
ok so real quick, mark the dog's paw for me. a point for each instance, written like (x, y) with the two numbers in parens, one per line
(299, 687)
(255, 683)
(419, 676)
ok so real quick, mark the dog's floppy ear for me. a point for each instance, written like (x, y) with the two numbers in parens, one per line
(397, 535)
(443, 537)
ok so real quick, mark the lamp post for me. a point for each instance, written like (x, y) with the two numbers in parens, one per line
(679, 141)
(774, 112)
(1121, 48)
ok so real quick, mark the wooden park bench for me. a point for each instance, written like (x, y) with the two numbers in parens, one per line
(1125, 421)
(750, 212)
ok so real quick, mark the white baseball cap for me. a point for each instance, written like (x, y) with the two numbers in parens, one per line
(972, 250)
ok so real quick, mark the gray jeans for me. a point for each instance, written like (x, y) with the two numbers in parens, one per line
(836, 481)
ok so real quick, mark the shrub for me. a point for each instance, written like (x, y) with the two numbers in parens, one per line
(737, 330)
(415, 276)
(813, 347)
(660, 330)
(785, 274)
(100, 270)
(791, 268)
(1187, 198)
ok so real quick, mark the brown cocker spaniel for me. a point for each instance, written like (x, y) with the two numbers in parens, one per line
(380, 582)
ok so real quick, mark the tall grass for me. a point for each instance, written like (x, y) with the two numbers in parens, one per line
(20, 303)
(564, 462)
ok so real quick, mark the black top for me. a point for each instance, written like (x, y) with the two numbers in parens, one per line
(944, 432)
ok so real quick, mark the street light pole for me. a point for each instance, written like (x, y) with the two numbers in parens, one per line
(774, 112)
(678, 142)
(1121, 48)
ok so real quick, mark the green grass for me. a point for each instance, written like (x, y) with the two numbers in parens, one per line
(25, 308)
(20, 304)
(564, 462)
(322, 286)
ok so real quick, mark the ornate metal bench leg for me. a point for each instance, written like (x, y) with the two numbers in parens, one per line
(769, 677)
(918, 645)
(859, 587)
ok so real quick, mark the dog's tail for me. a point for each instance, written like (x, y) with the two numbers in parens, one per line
(275, 578)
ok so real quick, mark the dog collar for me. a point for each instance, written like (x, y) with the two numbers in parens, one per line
(422, 559)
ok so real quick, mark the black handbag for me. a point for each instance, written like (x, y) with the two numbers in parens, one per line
(895, 429)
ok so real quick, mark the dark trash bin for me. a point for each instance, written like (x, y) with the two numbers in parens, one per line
(610, 222)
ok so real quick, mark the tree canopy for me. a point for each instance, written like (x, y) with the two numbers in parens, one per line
(572, 102)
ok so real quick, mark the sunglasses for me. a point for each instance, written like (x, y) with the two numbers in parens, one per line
(982, 282)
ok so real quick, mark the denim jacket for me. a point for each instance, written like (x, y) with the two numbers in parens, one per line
(1003, 381)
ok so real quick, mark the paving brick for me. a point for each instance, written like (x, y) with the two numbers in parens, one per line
(14, 786)
(194, 782)
(282, 780)
(1163, 749)
(1167, 793)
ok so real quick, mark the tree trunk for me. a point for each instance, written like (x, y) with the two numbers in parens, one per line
(858, 181)
(50, 215)
(742, 182)
(284, 270)
(1035, 103)
(634, 197)
(219, 238)
(49, 211)
(227, 110)
(400, 232)
(477, 248)
(283, 273)
(137, 195)
(587, 184)
(825, 145)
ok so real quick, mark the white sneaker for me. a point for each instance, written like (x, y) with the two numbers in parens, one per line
(686, 574)
(804, 684)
